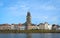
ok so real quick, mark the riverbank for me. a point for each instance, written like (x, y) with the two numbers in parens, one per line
(29, 31)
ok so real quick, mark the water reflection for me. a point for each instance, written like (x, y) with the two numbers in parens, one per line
(31, 35)
(17, 35)
(39, 35)
(48, 35)
(43, 35)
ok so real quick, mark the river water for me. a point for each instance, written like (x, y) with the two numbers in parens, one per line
(31, 35)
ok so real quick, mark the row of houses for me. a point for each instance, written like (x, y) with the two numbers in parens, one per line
(43, 26)
(11, 27)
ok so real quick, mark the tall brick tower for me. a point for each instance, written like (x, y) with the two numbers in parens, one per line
(28, 20)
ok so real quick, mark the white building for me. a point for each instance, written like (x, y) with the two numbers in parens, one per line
(46, 25)
(12, 27)
(22, 27)
(50, 27)
(35, 27)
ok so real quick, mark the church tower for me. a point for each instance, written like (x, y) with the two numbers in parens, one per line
(28, 18)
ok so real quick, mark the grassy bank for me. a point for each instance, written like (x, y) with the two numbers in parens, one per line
(29, 31)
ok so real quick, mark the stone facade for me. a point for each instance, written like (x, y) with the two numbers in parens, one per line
(41, 26)
(5, 27)
(44, 26)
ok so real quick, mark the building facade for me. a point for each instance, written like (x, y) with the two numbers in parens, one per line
(5, 27)
(44, 26)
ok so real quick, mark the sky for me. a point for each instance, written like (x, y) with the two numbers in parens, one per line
(15, 11)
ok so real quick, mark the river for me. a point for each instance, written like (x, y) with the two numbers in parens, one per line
(31, 35)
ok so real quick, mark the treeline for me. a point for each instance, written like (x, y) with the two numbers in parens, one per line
(29, 31)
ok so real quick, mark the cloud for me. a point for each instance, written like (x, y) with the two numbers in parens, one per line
(49, 19)
(12, 8)
(11, 11)
(45, 17)
(40, 17)
(43, 7)
(47, 7)
(24, 7)
(15, 11)
(54, 18)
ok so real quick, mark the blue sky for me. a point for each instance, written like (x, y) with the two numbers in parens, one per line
(14, 11)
